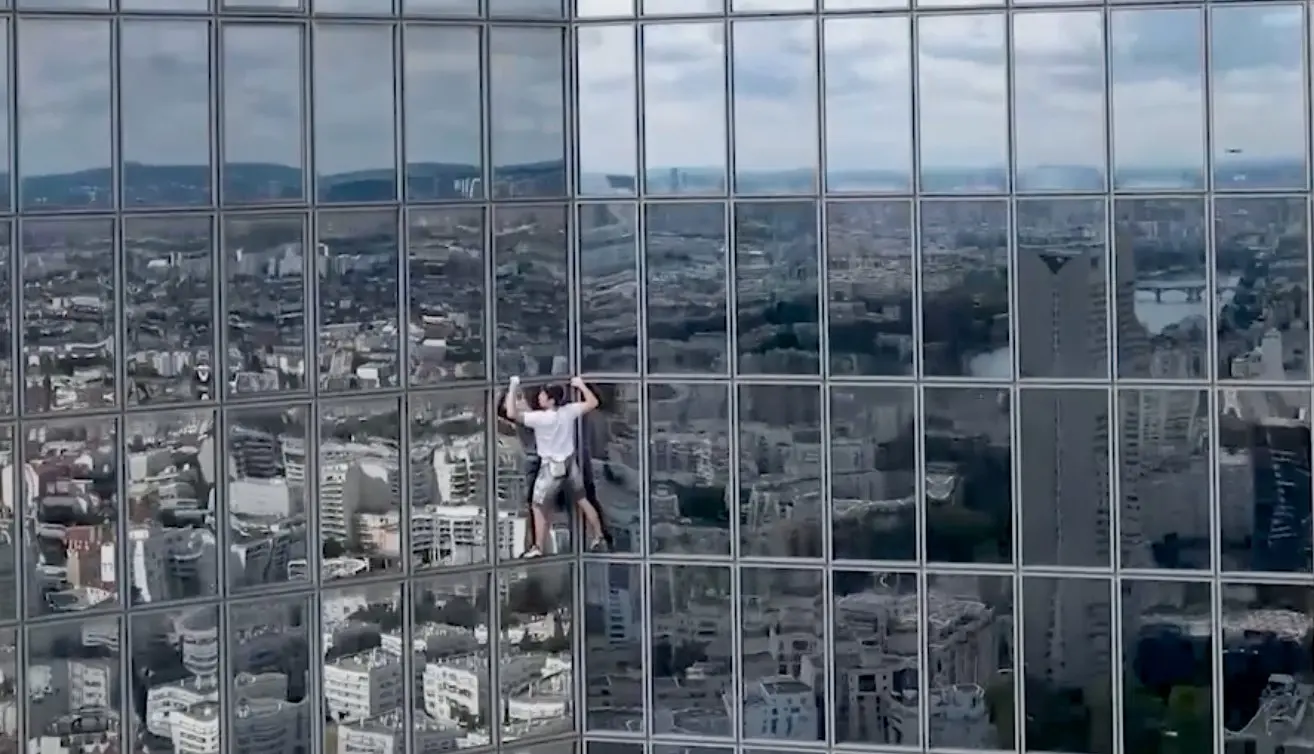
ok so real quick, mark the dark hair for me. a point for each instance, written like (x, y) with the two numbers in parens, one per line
(557, 393)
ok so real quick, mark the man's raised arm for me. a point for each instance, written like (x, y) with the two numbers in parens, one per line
(512, 401)
(590, 401)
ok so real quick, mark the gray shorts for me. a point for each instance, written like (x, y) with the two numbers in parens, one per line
(552, 476)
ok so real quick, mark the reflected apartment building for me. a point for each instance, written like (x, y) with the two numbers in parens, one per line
(953, 367)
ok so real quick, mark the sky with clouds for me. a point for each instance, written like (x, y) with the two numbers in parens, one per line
(961, 66)
(1059, 76)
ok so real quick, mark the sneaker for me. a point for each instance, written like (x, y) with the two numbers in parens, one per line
(532, 552)
(599, 544)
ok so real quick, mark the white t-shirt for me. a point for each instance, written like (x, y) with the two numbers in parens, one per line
(554, 430)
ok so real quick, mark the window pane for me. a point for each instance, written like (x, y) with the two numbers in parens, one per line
(1264, 480)
(268, 496)
(440, 87)
(527, 8)
(454, 611)
(957, 159)
(1261, 275)
(873, 439)
(196, 662)
(78, 517)
(1257, 80)
(448, 295)
(354, 652)
(677, 7)
(265, 289)
(777, 317)
(684, 108)
(868, 102)
(169, 277)
(528, 110)
(69, 349)
(608, 140)
(869, 270)
(360, 491)
(359, 300)
(531, 297)
(1081, 609)
(771, 597)
(165, 98)
(982, 679)
(1163, 470)
(171, 462)
(355, 148)
(1058, 108)
(965, 289)
(689, 468)
(970, 494)
(856, 595)
(64, 114)
(613, 648)
(775, 100)
(780, 471)
(441, 7)
(529, 596)
(87, 653)
(1161, 695)
(609, 287)
(685, 246)
(1161, 320)
(1062, 281)
(694, 596)
(253, 626)
(264, 119)
(449, 515)
(9, 327)
(1158, 106)
(611, 457)
(1065, 486)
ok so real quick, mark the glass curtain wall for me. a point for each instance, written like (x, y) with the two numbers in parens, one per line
(262, 263)
(973, 358)
(954, 366)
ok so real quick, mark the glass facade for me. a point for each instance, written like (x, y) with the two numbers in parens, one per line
(954, 366)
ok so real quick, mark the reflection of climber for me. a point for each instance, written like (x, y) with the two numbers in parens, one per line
(553, 421)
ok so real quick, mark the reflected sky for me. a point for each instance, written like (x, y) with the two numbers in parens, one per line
(1156, 79)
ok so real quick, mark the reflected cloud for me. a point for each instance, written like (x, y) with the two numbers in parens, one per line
(1156, 77)
(1059, 101)
(443, 112)
(868, 103)
(607, 101)
(165, 102)
(264, 119)
(64, 113)
(684, 108)
(961, 79)
(1157, 84)
(527, 111)
(1256, 60)
(355, 150)
(773, 77)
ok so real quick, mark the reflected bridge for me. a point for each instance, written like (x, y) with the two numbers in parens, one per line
(1194, 289)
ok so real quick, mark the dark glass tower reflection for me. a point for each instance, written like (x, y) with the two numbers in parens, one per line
(953, 358)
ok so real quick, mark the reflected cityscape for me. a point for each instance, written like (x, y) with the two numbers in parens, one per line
(952, 364)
